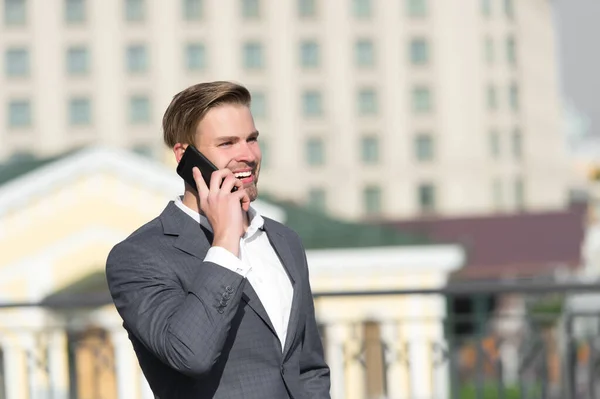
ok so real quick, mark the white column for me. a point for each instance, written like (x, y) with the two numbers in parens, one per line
(14, 370)
(146, 392)
(418, 356)
(509, 353)
(336, 335)
(441, 372)
(58, 364)
(396, 379)
(31, 353)
(125, 365)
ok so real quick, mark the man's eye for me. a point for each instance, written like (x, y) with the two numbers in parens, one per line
(225, 143)
(253, 139)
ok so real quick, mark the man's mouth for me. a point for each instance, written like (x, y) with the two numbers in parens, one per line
(246, 177)
(243, 175)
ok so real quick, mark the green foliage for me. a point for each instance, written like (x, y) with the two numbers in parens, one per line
(546, 310)
(491, 391)
(319, 231)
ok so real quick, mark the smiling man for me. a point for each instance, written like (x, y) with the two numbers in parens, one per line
(216, 298)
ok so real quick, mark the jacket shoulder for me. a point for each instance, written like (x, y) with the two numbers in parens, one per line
(144, 240)
(280, 228)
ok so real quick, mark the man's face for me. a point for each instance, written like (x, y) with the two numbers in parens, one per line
(228, 138)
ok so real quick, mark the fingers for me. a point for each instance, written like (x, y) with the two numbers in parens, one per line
(230, 182)
(244, 199)
(217, 177)
(200, 184)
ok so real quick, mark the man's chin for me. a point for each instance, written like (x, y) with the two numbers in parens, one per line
(252, 192)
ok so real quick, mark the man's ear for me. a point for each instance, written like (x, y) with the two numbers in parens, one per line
(178, 150)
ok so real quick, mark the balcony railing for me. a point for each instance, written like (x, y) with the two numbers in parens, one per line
(490, 341)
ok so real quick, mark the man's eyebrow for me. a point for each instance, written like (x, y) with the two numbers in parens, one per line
(227, 138)
(235, 138)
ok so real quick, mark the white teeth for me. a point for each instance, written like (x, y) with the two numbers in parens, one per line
(243, 174)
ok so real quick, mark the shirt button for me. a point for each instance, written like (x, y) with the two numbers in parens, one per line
(229, 289)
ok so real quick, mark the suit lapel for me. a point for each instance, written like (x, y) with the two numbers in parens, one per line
(196, 240)
(251, 298)
(279, 243)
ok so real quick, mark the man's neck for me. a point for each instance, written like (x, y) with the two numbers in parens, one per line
(190, 199)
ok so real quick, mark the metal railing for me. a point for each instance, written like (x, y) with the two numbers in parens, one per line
(485, 349)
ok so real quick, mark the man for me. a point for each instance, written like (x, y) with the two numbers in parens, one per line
(216, 298)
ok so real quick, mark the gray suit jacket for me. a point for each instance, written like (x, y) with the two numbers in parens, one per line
(199, 329)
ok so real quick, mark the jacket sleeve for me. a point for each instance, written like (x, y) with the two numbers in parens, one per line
(314, 371)
(184, 329)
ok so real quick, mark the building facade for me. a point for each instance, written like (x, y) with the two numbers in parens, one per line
(371, 108)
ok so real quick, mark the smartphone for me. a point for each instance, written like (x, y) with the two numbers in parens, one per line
(192, 157)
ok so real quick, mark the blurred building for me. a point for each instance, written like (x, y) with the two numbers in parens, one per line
(61, 337)
(366, 108)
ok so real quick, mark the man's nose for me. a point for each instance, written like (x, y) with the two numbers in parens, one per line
(244, 153)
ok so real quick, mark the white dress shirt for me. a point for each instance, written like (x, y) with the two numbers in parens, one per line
(259, 263)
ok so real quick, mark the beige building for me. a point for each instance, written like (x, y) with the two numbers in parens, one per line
(365, 107)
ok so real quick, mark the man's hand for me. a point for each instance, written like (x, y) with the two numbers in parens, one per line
(224, 210)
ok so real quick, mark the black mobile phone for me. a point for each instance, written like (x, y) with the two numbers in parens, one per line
(192, 157)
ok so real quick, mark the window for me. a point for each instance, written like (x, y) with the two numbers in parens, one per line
(135, 10)
(519, 193)
(250, 8)
(192, 10)
(258, 105)
(370, 150)
(17, 62)
(195, 55)
(139, 110)
(509, 9)
(424, 147)
(19, 113)
(486, 7)
(426, 193)
(15, 12)
(372, 200)
(367, 102)
(364, 53)
(75, 11)
(492, 98)
(307, 8)
(315, 152)
(489, 50)
(494, 144)
(421, 99)
(312, 103)
(253, 55)
(419, 51)
(137, 58)
(517, 144)
(497, 194)
(511, 54)
(362, 8)
(417, 8)
(80, 112)
(77, 60)
(309, 54)
(317, 199)
(514, 97)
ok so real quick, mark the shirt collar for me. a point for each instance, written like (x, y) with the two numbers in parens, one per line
(256, 220)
